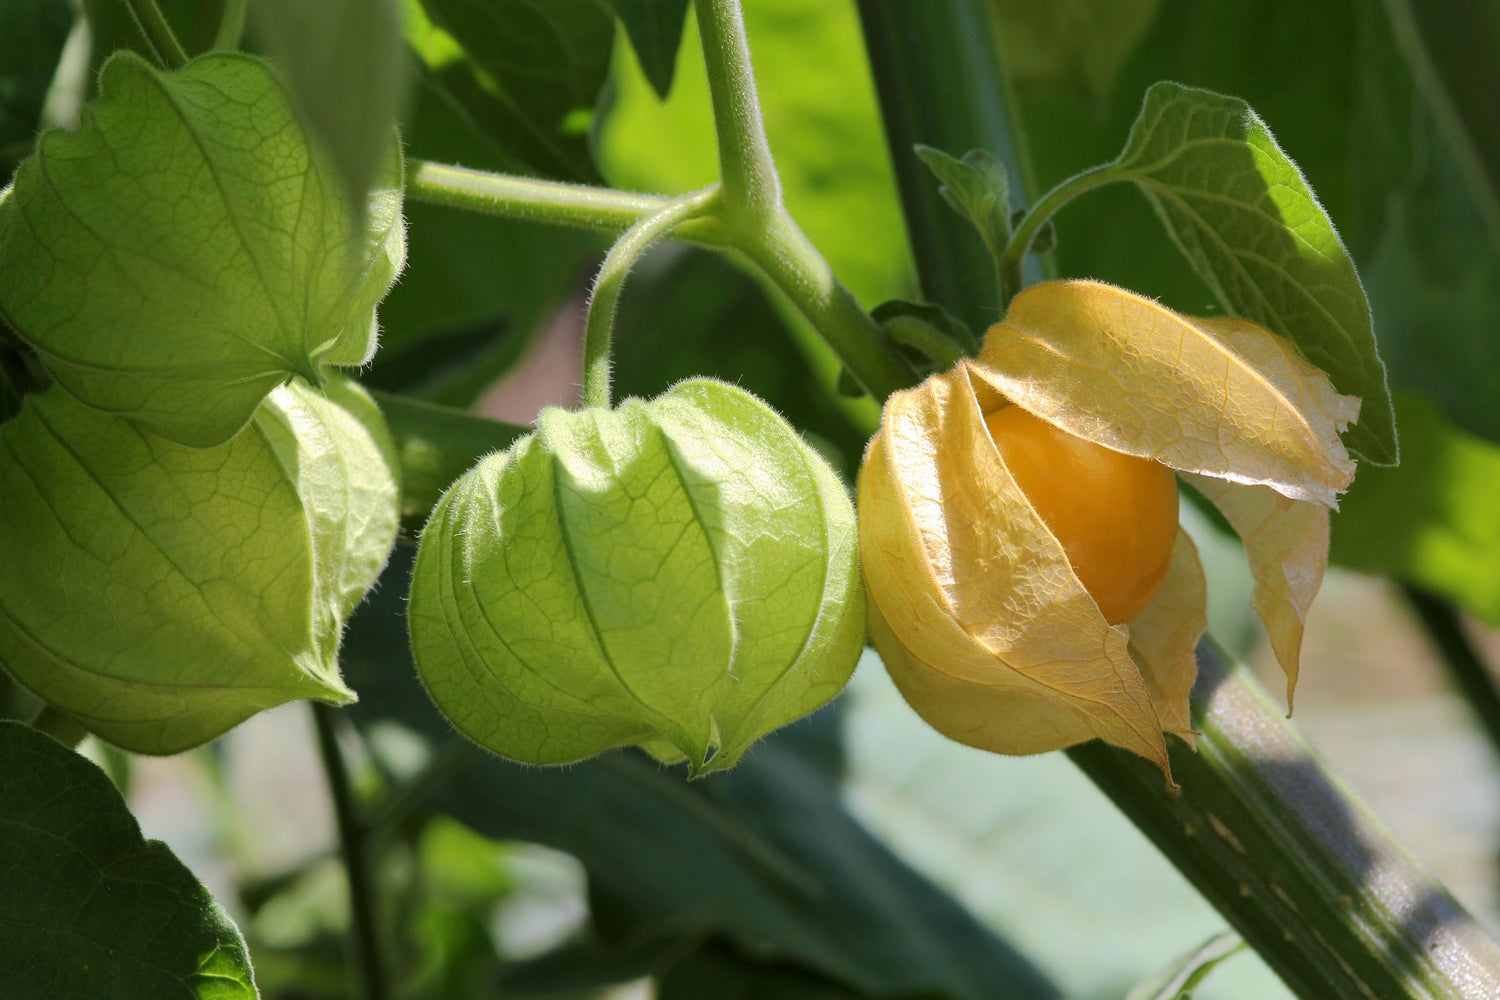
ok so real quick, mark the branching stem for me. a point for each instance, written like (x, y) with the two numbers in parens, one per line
(752, 191)
(598, 330)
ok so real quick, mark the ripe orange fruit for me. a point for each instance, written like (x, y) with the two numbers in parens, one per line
(1115, 514)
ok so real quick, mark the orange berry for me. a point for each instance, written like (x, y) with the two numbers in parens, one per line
(1115, 514)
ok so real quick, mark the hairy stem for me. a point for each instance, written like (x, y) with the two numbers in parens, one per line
(598, 330)
(366, 953)
(577, 205)
(158, 33)
(752, 191)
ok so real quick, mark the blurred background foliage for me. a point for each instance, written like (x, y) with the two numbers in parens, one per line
(856, 854)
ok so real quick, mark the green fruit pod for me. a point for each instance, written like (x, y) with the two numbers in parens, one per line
(679, 574)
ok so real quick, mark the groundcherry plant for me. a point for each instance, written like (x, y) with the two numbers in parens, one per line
(240, 467)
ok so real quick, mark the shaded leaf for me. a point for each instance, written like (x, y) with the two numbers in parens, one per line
(1432, 521)
(345, 63)
(161, 594)
(1449, 46)
(1219, 397)
(1078, 44)
(1247, 220)
(526, 73)
(655, 30)
(974, 606)
(90, 908)
(719, 972)
(32, 33)
(185, 251)
(434, 445)
(1286, 542)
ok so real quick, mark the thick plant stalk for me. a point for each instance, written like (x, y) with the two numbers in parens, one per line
(1290, 857)
(1295, 861)
(939, 85)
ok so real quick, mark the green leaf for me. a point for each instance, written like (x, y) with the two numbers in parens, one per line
(185, 251)
(1434, 278)
(1241, 212)
(162, 594)
(1078, 44)
(976, 187)
(655, 30)
(678, 573)
(32, 33)
(1432, 521)
(526, 73)
(345, 63)
(1449, 46)
(717, 971)
(91, 908)
(764, 856)
(1189, 971)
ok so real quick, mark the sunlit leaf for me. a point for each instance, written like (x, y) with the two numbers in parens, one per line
(1247, 220)
(1164, 636)
(1286, 542)
(90, 907)
(1219, 397)
(160, 594)
(678, 573)
(973, 604)
(185, 251)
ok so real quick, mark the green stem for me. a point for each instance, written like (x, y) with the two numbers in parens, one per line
(940, 84)
(231, 26)
(62, 728)
(752, 191)
(551, 202)
(1009, 264)
(598, 329)
(366, 953)
(1299, 866)
(778, 249)
(794, 266)
(158, 33)
(1465, 667)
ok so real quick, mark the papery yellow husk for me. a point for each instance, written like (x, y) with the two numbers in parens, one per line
(974, 607)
